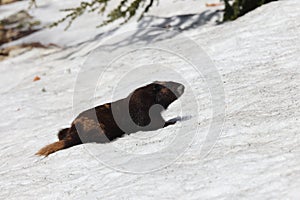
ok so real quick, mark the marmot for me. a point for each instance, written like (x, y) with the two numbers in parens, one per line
(100, 125)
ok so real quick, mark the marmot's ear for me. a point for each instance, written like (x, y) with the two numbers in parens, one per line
(156, 87)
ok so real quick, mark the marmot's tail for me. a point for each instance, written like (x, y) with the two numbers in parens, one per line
(51, 148)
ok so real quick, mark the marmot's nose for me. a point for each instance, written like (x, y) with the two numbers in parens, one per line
(180, 89)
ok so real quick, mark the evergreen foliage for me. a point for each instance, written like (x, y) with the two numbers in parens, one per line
(126, 9)
(241, 7)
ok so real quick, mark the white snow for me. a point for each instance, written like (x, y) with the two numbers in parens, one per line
(256, 157)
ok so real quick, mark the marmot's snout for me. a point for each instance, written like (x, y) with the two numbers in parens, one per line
(179, 90)
(176, 88)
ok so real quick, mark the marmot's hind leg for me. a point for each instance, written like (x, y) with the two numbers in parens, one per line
(62, 133)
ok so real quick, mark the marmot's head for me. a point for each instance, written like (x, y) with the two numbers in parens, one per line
(159, 92)
(167, 92)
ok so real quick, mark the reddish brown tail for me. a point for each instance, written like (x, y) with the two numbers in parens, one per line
(51, 148)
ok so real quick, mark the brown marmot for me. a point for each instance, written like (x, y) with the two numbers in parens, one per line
(107, 122)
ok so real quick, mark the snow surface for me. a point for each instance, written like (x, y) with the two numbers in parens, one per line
(256, 157)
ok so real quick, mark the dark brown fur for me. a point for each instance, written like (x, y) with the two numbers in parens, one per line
(98, 124)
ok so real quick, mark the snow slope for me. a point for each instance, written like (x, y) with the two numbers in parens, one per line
(256, 157)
